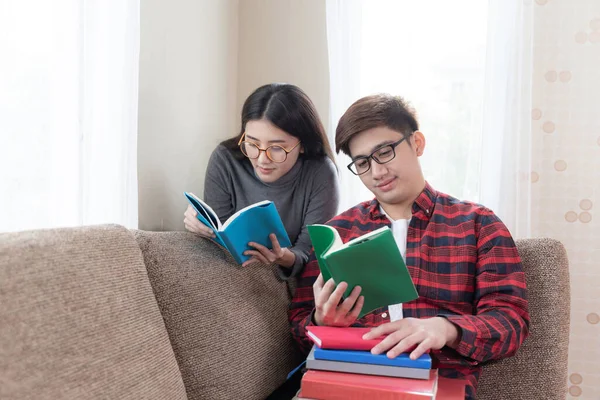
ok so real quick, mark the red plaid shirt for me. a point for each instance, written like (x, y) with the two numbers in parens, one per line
(466, 268)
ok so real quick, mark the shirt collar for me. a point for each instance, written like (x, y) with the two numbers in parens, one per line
(425, 201)
(424, 204)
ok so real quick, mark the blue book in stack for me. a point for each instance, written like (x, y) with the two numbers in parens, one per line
(363, 362)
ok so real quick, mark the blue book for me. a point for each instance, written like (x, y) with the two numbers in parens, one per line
(250, 224)
(365, 369)
(365, 357)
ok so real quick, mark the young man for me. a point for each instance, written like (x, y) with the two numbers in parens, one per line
(472, 304)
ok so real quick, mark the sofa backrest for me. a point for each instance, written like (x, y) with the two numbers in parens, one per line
(228, 325)
(539, 369)
(78, 319)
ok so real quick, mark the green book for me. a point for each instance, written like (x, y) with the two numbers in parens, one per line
(372, 261)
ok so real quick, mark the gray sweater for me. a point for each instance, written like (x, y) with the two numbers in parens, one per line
(307, 194)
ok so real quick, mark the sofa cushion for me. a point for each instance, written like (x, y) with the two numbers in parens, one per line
(539, 369)
(228, 325)
(78, 319)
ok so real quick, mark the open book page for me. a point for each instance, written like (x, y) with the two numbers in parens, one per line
(204, 209)
(336, 244)
(234, 216)
(357, 240)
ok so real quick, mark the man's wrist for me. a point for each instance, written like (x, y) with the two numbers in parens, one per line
(452, 334)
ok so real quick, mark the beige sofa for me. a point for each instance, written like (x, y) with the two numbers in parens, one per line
(106, 313)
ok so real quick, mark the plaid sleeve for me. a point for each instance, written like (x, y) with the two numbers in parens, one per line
(303, 303)
(501, 320)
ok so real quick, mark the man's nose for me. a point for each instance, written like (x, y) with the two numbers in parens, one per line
(378, 170)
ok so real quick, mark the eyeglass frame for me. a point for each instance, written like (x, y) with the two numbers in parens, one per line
(241, 141)
(371, 156)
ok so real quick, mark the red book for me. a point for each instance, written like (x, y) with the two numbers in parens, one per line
(450, 389)
(335, 338)
(328, 385)
(329, 337)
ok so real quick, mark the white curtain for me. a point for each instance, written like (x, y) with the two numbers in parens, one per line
(507, 138)
(431, 53)
(344, 37)
(68, 113)
(465, 66)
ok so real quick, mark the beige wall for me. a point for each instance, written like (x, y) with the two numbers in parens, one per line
(566, 175)
(199, 61)
(187, 100)
(284, 41)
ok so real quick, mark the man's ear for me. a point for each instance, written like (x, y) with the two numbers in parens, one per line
(419, 142)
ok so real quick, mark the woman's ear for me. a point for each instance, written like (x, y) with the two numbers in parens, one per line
(301, 149)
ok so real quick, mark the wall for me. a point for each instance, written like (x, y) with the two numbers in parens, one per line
(199, 61)
(187, 100)
(566, 176)
(284, 41)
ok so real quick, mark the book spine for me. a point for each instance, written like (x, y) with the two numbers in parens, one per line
(368, 369)
(229, 247)
(367, 358)
(325, 271)
(340, 391)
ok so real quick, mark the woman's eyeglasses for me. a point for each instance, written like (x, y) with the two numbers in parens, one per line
(275, 152)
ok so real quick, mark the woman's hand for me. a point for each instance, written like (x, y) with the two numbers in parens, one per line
(193, 225)
(279, 255)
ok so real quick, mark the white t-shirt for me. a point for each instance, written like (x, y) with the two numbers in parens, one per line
(400, 232)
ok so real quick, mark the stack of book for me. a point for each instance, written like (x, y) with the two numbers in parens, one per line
(341, 366)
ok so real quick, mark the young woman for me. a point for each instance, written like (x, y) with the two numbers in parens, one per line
(281, 154)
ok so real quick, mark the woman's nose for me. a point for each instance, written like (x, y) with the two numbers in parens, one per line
(262, 157)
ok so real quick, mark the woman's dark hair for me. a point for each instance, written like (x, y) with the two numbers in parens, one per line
(288, 108)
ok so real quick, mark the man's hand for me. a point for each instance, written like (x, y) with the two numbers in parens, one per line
(281, 256)
(328, 310)
(425, 334)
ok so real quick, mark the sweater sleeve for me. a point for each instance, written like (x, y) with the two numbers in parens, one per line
(322, 206)
(217, 182)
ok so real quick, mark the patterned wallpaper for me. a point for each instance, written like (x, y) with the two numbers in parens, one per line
(566, 173)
